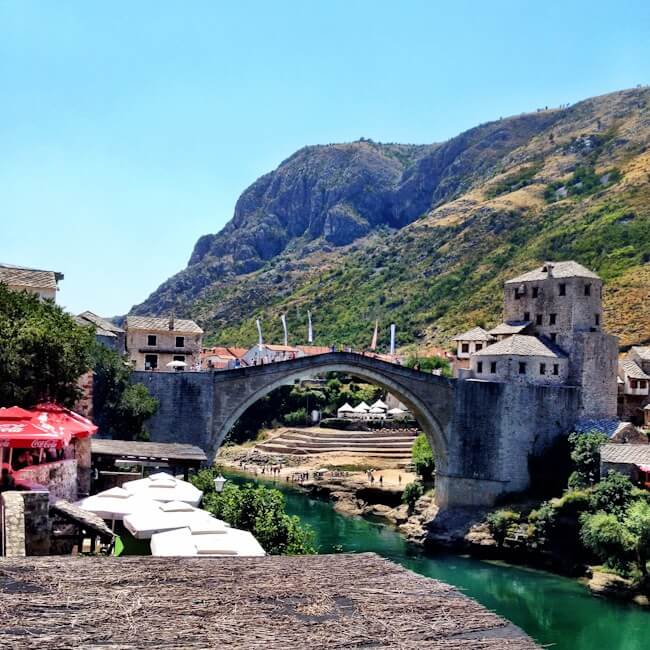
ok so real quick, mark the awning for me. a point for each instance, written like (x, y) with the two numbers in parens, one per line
(59, 417)
(25, 433)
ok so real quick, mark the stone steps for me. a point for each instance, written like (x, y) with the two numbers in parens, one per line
(279, 448)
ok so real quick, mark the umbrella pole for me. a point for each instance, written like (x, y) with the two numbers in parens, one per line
(11, 456)
(2, 456)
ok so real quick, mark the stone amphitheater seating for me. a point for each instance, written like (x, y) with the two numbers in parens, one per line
(383, 443)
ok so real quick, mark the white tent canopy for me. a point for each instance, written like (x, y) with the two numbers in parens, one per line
(183, 543)
(379, 404)
(375, 410)
(346, 408)
(169, 516)
(361, 408)
(396, 411)
(114, 504)
(164, 487)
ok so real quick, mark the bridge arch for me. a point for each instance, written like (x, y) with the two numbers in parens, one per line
(406, 384)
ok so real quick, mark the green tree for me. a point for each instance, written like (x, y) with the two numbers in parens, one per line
(612, 495)
(43, 352)
(585, 454)
(261, 511)
(637, 522)
(412, 492)
(608, 538)
(427, 364)
(120, 408)
(422, 456)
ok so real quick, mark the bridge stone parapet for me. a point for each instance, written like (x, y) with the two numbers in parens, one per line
(482, 433)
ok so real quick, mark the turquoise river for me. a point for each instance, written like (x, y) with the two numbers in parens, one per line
(554, 610)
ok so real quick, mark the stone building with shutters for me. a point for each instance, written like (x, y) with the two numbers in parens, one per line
(553, 334)
(153, 342)
(634, 385)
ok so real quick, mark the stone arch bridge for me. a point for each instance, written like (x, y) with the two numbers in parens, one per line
(483, 433)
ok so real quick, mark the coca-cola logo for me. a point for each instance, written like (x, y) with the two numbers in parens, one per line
(37, 444)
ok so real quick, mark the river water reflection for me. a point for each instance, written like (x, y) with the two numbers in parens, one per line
(552, 609)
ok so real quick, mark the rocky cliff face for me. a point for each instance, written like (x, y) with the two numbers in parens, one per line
(378, 229)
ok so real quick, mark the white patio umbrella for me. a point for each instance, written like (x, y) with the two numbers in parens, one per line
(169, 516)
(361, 408)
(115, 504)
(375, 410)
(380, 405)
(176, 364)
(183, 542)
(346, 408)
(396, 412)
(164, 487)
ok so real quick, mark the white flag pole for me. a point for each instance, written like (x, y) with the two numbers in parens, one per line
(260, 341)
(392, 339)
(310, 333)
(373, 344)
(283, 318)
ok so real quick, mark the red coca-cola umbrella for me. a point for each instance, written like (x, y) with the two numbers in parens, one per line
(59, 417)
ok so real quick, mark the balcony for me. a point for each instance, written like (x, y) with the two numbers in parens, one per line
(166, 349)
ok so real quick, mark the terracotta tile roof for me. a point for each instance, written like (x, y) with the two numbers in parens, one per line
(510, 327)
(223, 352)
(625, 453)
(567, 269)
(313, 349)
(520, 345)
(475, 334)
(632, 370)
(280, 348)
(21, 276)
(153, 323)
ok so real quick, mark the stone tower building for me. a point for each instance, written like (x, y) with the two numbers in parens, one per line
(553, 334)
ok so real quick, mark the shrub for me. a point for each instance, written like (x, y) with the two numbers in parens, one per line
(572, 503)
(637, 522)
(612, 495)
(608, 538)
(544, 521)
(412, 492)
(422, 456)
(500, 523)
(295, 418)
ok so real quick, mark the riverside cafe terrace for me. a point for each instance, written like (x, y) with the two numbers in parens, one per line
(42, 448)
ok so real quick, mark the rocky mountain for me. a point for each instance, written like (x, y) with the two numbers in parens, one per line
(424, 235)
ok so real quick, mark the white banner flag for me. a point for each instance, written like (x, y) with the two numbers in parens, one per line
(283, 318)
(310, 333)
(392, 339)
(260, 341)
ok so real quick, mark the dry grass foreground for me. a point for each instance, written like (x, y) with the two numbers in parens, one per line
(315, 602)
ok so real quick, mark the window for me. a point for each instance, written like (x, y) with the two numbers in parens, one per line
(597, 319)
(642, 383)
(179, 357)
(542, 368)
(517, 295)
(634, 383)
(150, 361)
(556, 368)
(552, 318)
(526, 315)
(535, 292)
(493, 367)
(151, 339)
(180, 341)
(539, 319)
(553, 336)
(479, 346)
(562, 288)
(479, 367)
(464, 347)
(522, 368)
(587, 289)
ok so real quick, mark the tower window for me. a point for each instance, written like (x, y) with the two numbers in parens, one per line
(493, 367)
(538, 319)
(556, 368)
(597, 319)
(535, 292)
(562, 289)
(542, 368)
(553, 336)
(526, 315)
(587, 289)
(522, 368)
(552, 318)
(479, 367)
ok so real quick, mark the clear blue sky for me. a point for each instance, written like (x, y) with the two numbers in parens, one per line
(129, 129)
